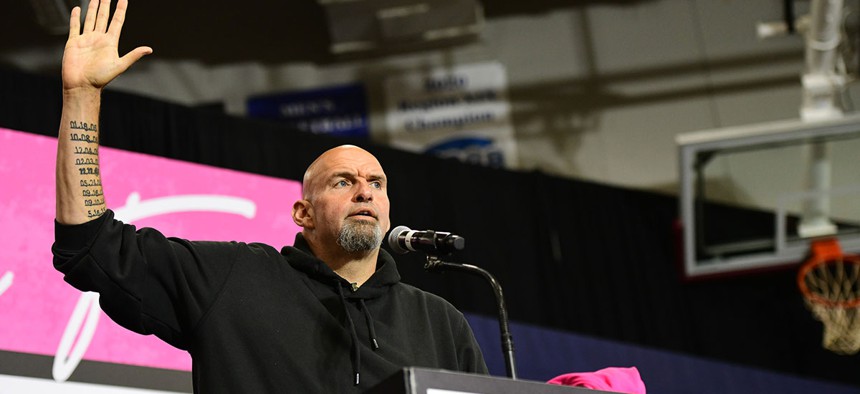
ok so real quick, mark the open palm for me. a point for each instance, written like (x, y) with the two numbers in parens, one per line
(91, 58)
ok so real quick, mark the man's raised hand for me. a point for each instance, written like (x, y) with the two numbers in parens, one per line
(90, 62)
(91, 59)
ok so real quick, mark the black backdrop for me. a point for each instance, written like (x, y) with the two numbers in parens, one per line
(571, 255)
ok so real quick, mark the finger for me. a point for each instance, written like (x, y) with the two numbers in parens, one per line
(75, 23)
(103, 16)
(90, 18)
(118, 18)
(133, 56)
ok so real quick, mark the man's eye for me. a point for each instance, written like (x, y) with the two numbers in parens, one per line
(342, 183)
(376, 184)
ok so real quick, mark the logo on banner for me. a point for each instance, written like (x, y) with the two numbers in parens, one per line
(470, 150)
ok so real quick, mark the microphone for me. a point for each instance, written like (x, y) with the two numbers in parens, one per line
(403, 240)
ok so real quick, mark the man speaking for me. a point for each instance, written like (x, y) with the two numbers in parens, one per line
(327, 315)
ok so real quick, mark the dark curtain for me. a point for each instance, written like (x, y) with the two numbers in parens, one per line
(571, 255)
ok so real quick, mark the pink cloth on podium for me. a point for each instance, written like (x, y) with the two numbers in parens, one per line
(621, 380)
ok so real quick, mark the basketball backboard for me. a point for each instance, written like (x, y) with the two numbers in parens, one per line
(754, 197)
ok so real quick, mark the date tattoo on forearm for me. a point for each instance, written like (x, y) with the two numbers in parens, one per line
(85, 139)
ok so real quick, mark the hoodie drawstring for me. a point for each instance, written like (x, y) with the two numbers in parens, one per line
(356, 350)
(370, 325)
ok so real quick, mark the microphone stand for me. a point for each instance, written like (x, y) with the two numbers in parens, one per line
(434, 263)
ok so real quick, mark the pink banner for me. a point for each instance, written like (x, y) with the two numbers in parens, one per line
(41, 314)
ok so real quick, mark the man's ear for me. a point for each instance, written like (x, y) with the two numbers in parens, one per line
(303, 214)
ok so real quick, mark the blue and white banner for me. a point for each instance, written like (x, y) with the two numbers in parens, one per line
(338, 110)
(460, 112)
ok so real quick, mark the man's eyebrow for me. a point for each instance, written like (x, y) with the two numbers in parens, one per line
(342, 174)
(351, 176)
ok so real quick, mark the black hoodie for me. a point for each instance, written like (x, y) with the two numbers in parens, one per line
(255, 320)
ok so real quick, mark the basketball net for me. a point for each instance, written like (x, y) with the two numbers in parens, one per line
(829, 283)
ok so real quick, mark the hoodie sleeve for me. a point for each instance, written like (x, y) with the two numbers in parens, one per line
(469, 352)
(146, 282)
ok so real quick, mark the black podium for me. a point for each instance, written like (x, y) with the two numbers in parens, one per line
(432, 381)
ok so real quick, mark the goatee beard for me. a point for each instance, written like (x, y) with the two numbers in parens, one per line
(359, 236)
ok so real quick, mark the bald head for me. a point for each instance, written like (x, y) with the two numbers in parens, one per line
(317, 171)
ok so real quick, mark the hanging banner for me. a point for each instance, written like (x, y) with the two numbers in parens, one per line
(460, 112)
(338, 110)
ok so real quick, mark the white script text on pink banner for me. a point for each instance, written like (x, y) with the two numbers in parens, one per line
(192, 201)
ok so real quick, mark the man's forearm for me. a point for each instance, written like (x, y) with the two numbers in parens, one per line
(80, 196)
(90, 62)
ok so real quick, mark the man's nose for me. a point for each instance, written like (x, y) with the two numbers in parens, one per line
(364, 192)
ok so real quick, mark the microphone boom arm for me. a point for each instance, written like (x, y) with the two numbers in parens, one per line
(434, 264)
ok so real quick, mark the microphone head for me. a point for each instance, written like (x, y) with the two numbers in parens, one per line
(455, 243)
(393, 241)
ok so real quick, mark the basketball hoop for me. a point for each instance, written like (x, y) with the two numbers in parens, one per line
(830, 283)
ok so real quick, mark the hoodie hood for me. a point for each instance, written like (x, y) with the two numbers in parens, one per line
(302, 259)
